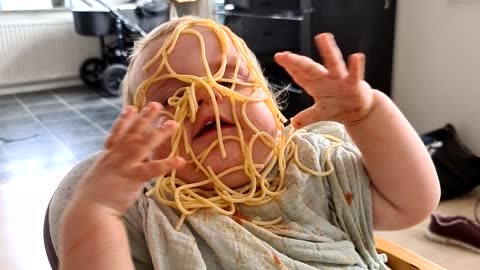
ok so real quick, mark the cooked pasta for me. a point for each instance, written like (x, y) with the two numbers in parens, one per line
(188, 198)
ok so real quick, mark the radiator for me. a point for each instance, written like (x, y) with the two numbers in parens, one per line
(39, 51)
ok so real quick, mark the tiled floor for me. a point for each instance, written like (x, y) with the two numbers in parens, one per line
(43, 130)
(42, 135)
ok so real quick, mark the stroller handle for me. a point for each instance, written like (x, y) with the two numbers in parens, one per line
(124, 20)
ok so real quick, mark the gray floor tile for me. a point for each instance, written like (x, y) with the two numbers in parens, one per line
(103, 118)
(75, 130)
(62, 137)
(47, 107)
(88, 102)
(4, 165)
(76, 94)
(12, 105)
(6, 99)
(37, 97)
(3, 154)
(35, 159)
(77, 134)
(5, 174)
(55, 116)
(43, 149)
(106, 126)
(59, 128)
(82, 149)
(9, 125)
(21, 132)
(117, 101)
(98, 109)
(12, 109)
(38, 165)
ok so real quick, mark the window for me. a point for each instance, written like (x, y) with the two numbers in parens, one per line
(10, 5)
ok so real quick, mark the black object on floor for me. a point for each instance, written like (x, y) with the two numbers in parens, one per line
(457, 167)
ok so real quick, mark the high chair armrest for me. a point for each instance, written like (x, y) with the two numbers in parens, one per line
(400, 258)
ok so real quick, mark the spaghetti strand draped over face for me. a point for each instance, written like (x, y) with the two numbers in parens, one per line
(188, 198)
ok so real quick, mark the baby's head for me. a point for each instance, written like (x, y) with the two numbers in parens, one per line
(211, 84)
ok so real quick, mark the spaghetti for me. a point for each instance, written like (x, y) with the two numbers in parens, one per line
(188, 198)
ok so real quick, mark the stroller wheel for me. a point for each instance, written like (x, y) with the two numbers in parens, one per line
(91, 70)
(112, 77)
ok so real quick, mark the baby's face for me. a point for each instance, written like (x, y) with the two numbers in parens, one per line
(186, 58)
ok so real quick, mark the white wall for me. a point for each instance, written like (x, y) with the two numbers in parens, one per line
(41, 50)
(436, 76)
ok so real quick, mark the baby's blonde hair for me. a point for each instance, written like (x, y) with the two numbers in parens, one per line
(129, 87)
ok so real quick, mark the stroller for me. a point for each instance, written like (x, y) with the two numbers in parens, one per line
(117, 29)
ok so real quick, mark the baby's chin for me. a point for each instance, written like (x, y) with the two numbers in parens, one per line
(219, 164)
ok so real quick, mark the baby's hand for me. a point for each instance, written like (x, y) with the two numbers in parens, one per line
(340, 94)
(115, 180)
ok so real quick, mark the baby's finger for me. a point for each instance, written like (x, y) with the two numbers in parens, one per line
(302, 69)
(121, 124)
(306, 117)
(356, 67)
(139, 146)
(146, 117)
(160, 133)
(331, 55)
(156, 168)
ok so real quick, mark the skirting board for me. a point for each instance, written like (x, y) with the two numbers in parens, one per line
(39, 86)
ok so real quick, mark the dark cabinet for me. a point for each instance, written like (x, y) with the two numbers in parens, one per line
(270, 26)
(365, 26)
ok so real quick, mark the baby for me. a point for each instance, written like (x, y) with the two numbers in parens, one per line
(233, 188)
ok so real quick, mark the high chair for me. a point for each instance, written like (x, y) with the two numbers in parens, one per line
(399, 258)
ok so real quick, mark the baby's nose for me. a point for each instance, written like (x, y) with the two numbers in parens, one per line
(206, 95)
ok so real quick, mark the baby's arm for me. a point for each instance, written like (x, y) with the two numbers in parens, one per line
(93, 235)
(404, 184)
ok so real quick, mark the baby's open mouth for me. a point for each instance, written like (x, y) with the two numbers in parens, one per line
(211, 127)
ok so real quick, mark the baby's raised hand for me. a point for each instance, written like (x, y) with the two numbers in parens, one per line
(340, 93)
(116, 178)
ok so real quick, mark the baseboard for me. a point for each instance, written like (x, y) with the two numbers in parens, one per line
(39, 86)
